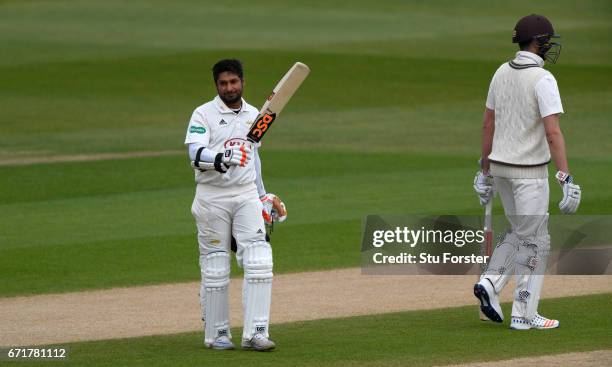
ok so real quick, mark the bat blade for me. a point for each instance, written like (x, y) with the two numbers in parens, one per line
(276, 101)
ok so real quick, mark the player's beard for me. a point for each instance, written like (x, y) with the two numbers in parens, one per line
(231, 98)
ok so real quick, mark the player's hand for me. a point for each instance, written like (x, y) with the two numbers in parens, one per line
(237, 155)
(279, 210)
(274, 209)
(233, 156)
(571, 193)
(483, 185)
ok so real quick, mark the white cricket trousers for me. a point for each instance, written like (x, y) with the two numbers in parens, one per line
(220, 214)
(523, 251)
(223, 212)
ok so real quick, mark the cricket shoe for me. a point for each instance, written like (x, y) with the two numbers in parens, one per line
(489, 300)
(258, 342)
(538, 322)
(221, 343)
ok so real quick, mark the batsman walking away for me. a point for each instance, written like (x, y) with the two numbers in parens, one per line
(231, 210)
(521, 133)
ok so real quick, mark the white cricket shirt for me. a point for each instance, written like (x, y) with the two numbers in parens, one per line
(216, 127)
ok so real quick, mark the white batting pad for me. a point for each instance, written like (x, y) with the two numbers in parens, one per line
(531, 261)
(257, 288)
(215, 275)
(501, 265)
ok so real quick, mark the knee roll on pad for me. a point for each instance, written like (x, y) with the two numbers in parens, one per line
(528, 258)
(257, 261)
(534, 252)
(215, 269)
(542, 242)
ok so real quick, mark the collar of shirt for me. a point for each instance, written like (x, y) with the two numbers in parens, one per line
(222, 107)
(526, 57)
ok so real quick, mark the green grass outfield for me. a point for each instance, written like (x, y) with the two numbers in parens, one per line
(418, 338)
(388, 122)
(113, 223)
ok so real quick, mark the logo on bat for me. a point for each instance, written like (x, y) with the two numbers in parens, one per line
(261, 126)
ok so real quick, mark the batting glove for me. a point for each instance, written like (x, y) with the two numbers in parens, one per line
(274, 209)
(233, 156)
(483, 185)
(571, 193)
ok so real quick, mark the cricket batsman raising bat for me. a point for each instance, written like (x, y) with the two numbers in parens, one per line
(223, 137)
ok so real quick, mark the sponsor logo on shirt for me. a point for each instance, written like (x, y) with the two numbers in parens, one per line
(236, 142)
(197, 129)
(222, 122)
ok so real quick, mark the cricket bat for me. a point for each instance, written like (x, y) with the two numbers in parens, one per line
(275, 103)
